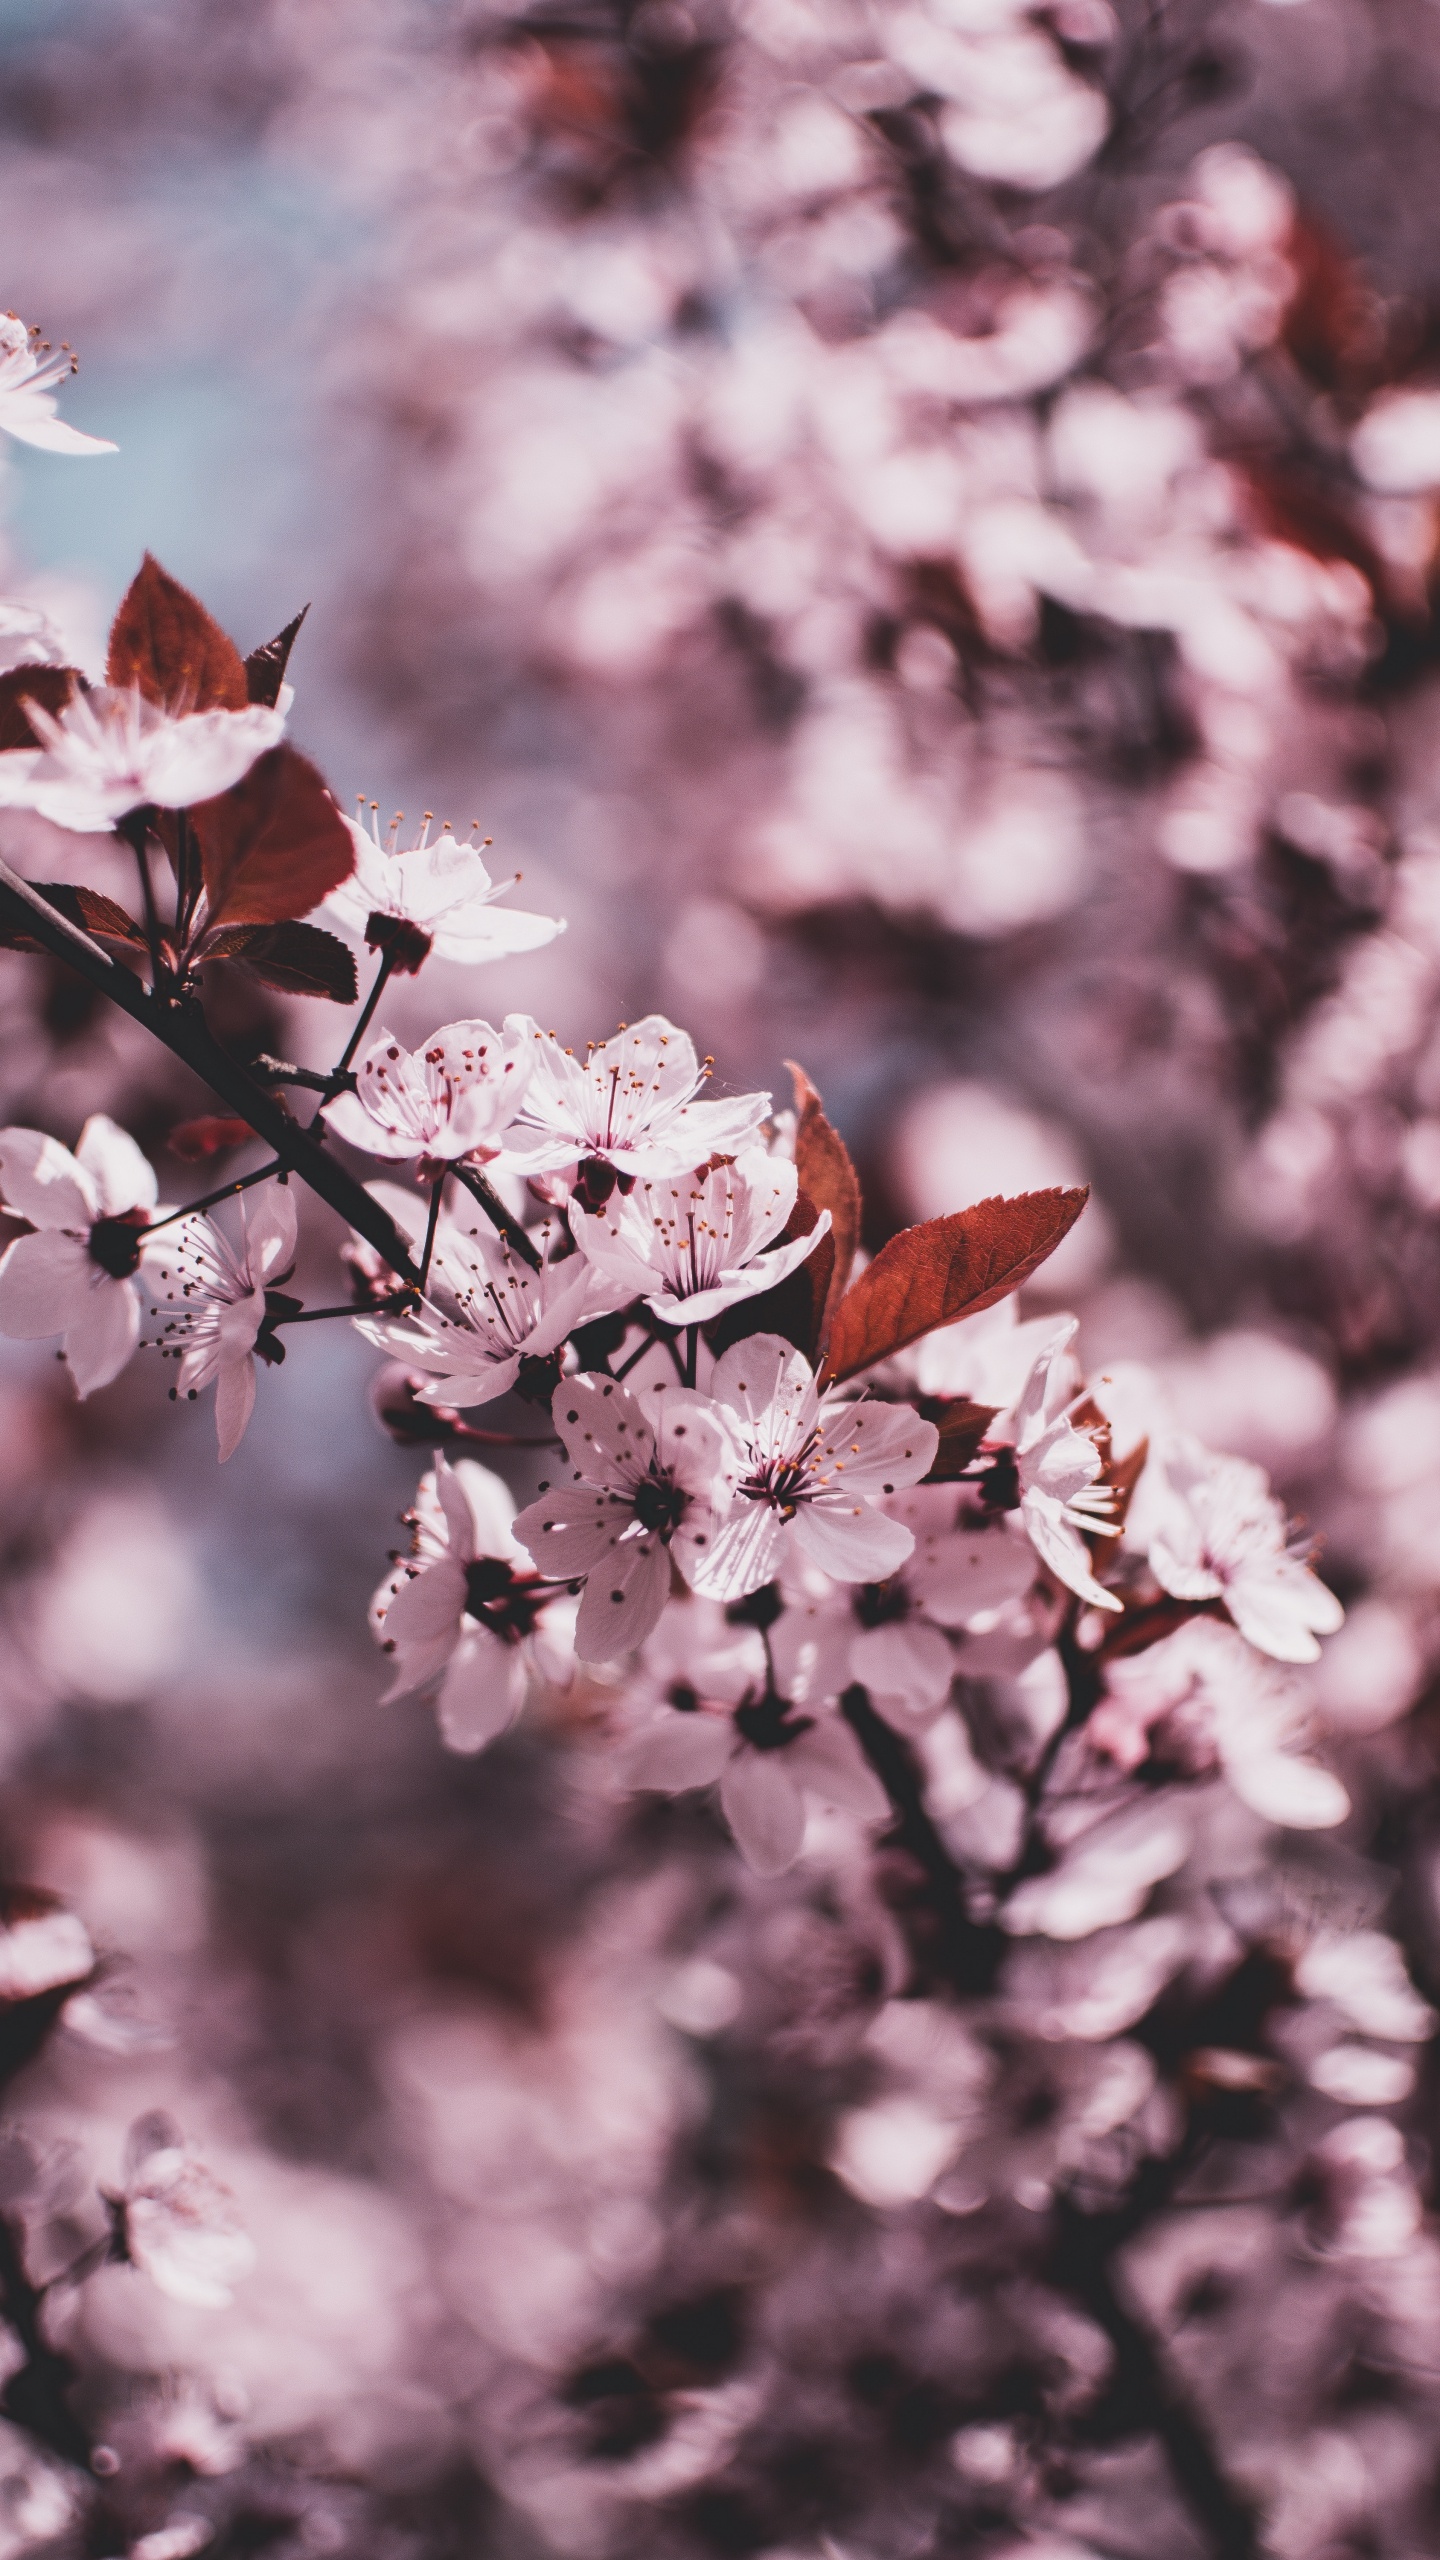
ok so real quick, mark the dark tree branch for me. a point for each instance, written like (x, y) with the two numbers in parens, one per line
(179, 1024)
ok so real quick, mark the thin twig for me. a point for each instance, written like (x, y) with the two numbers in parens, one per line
(497, 1213)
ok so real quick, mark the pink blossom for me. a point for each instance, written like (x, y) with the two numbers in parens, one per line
(74, 1274)
(466, 1608)
(29, 373)
(631, 1108)
(456, 1097)
(1219, 1534)
(443, 890)
(219, 1298)
(109, 750)
(692, 1244)
(487, 1312)
(650, 1483)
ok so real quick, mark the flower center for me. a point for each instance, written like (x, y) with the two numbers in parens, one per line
(879, 1604)
(659, 1504)
(496, 1595)
(769, 1723)
(115, 1243)
(407, 945)
(782, 1482)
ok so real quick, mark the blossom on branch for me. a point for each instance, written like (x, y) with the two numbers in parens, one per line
(630, 1110)
(431, 897)
(176, 2222)
(1219, 1534)
(29, 374)
(648, 1484)
(455, 1097)
(812, 1469)
(467, 1609)
(109, 750)
(693, 1244)
(706, 1709)
(487, 1314)
(219, 1298)
(1058, 1467)
(75, 1274)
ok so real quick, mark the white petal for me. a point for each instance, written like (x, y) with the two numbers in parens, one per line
(906, 1659)
(677, 1751)
(969, 1570)
(607, 1434)
(42, 1180)
(122, 1176)
(234, 1404)
(622, 1600)
(427, 1607)
(829, 1763)
(1298, 1793)
(873, 1449)
(770, 1387)
(483, 1691)
(1280, 1607)
(572, 1529)
(744, 1556)
(764, 1809)
(850, 1541)
(270, 1230)
(46, 1284)
(98, 1345)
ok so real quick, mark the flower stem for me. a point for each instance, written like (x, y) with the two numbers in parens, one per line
(387, 963)
(208, 1199)
(496, 1211)
(968, 1951)
(436, 1189)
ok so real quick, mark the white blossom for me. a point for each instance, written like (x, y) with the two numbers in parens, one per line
(1201, 1700)
(704, 1710)
(177, 2220)
(110, 750)
(630, 1107)
(455, 1097)
(812, 1469)
(466, 1609)
(692, 1244)
(486, 1313)
(896, 1637)
(649, 1483)
(1219, 1534)
(29, 373)
(442, 890)
(1058, 1467)
(219, 1302)
(74, 1274)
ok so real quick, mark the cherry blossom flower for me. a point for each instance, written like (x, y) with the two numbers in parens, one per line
(987, 1357)
(29, 373)
(700, 1236)
(650, 1483)
(1057, 1467)
(1219, 1534)
(455, 1097)
(176, 2221)
(220, 1303)
(110, 750)
(811, 1469)
(628, 1111)
(411, 900)
(1200, 1700)
(466, 1608)
(75, 1274)
(705, 1710)
(487, 1315)
(896, 1637)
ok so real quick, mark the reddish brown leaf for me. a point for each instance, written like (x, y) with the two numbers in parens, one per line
(962, 1426)
(193, 1140)
(946, 1268)
(164, 641)
(265, 668)
(275, 845)
(88, 908)
(51, 687)
(827, 1177)
(297, 958)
